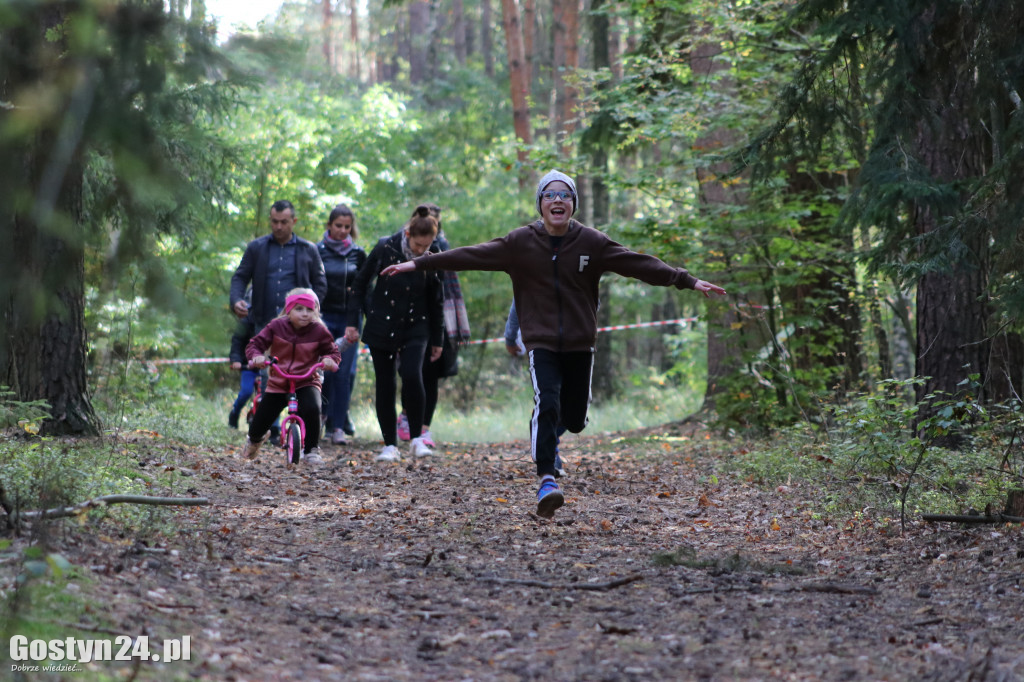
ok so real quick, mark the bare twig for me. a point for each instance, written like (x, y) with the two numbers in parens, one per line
(835, 588)
(105, 500)
(598, 587)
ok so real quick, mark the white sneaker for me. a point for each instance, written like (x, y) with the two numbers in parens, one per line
(389, 454)
(417, 448)
(338, 437)
(313, 457)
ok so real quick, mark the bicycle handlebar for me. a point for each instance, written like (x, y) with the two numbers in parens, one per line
(294, 377)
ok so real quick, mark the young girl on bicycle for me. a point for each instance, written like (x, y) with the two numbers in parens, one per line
(299, 340)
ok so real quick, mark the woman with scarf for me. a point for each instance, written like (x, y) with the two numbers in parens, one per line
(456, 333)
(342, 260)
(404, 323)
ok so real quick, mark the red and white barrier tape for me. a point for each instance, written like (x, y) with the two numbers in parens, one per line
(475, 342)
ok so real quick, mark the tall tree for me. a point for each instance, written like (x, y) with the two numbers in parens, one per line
(79, 161)
(565, 42)
(596, 139)
(459, 31)
(486, 39)
(939, 170)
(418, 41)
(519, 81)
(327, 34)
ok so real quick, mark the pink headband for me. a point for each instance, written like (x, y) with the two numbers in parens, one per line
(308, 300)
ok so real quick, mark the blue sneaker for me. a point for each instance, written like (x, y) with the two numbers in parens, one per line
(549, 498)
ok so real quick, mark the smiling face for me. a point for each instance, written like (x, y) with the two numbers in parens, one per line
(556, 211)
(341, 228)
(300, 316)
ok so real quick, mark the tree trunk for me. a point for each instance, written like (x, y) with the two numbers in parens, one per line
(605, 379)
(952, 306)
(486, 44)
(356, 68)
(565, 41)
(518, 81)
(459, 32)
(327, 35)
(529, 38)
(42, 289)
(417, 38)
(725, 324)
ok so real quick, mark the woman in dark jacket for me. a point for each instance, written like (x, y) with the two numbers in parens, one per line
(404, 316)
(342, 260)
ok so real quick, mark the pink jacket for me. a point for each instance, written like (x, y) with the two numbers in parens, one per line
(296, 349)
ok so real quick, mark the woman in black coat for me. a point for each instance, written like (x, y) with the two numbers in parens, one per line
(404, 316)
(342, 259)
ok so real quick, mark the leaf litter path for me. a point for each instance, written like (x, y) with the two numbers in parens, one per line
(657, 568)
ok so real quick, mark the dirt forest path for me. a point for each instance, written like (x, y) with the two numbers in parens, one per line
(657, 568)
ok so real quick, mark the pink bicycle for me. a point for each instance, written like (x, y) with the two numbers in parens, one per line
(293, 429)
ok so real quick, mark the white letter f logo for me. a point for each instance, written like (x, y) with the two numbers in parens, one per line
(583, 262)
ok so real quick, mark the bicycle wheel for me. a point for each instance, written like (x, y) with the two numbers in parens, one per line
(293, 443)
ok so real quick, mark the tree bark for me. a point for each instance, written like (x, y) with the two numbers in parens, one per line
(953, 308)
(486, 43)
(726, 328)
(327, 35)
(529, 38)
(418, 41)
(356, 68)
(459, 31)
(518, 81)
(565, 42)
(42, 289)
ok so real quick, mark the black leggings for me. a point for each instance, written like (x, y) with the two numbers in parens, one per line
(271, 405)
(431, 379)
(410, 368)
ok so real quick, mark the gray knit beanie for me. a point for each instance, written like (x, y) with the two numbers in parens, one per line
(554, 176)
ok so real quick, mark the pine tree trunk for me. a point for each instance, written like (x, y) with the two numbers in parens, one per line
(42, 272)
(417, 41)
(952, 305)
(356, 69)
(459, 32)
(486, 43)
(727, 331)
(327, 35)
(518, 80)
(529, 38)
(565, 42)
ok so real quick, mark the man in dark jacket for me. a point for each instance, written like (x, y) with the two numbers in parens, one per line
(275, 264)
(556, 265)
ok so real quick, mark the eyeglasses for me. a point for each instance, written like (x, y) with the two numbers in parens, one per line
(562, 194)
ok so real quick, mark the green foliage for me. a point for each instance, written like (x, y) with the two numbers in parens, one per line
(42, 473)
(27, 415)
(879, 451)
(40, 599)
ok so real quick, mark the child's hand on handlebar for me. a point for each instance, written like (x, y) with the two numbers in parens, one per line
(258, 362)
(330, 365)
